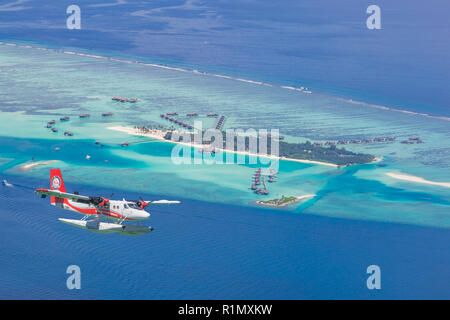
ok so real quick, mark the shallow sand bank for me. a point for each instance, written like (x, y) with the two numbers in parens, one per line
(410, 178)
(30, 165)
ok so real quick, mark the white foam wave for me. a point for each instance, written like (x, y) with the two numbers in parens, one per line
(249, 81)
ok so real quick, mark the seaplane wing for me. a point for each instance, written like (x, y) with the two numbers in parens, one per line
(163, 202)
(60, 194)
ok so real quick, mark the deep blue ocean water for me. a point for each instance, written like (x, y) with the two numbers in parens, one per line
(204, 251)
(322, 44)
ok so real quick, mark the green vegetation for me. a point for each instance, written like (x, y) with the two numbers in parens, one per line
(331, 154)
(300, 151)
(279, 202)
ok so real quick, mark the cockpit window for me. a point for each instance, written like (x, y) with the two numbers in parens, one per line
(133, 205)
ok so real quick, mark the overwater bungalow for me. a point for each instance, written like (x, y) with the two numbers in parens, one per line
(132, 100)
(172, 113)
(68, 133)
(220, 123)
(107, 114)
(66, 118)
(54, 130)
(192, 114)
(52, 122)
(49, 125)
(85, 115)
(212, 115)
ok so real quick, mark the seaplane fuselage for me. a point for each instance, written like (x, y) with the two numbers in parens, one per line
(115, 209)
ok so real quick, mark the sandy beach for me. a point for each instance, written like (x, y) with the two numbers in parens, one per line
(159, 134)
(410, 178)
(30, 165)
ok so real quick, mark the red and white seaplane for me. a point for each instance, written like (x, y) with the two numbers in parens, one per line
(116, 210)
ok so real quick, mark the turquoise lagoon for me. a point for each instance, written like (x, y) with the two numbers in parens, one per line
(41, 85)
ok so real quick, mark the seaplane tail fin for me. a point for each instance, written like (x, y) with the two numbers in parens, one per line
(56, 183)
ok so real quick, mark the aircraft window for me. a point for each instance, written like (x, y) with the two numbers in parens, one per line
(125, 206)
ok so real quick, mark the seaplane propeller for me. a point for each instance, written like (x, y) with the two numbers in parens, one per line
(141, 203)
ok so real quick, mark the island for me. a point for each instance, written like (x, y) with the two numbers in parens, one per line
(305, 152)
(284, 201)
(295, 151)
